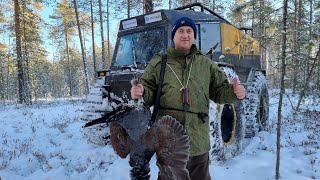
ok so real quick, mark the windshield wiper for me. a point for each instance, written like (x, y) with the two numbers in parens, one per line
(211, 51)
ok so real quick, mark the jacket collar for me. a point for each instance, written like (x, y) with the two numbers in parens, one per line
(172, 52)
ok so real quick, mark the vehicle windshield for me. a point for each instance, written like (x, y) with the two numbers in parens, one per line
(138, 48)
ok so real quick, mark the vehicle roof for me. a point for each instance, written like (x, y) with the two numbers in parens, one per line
(169, 17)
(197, 16)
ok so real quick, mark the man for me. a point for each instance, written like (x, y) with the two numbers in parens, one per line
(191, 79)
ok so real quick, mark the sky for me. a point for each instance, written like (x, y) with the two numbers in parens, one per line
(49, 10)
(114, 26)
(46, 141)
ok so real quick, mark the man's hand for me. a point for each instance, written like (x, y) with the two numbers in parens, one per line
(137, 91)
(238, 90)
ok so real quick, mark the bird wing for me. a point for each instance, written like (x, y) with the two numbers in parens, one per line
(172, 147)
(120, 139)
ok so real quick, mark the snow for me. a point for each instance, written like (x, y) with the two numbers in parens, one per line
(45, 141)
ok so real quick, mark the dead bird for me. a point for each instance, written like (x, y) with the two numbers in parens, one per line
(131, 134)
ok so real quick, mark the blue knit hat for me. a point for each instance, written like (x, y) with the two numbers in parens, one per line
(183, 21)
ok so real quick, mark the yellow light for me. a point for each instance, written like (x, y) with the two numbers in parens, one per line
(101, 74)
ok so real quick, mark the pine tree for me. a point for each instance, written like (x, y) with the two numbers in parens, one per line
(102, 35)
(65, 27)
(8, 61)
(3, 49)
(82, 47)
(93, 38)
(22, 88)
(108, 34)
(33, 47)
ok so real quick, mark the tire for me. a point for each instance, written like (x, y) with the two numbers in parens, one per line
(96, 105)
(256, 104)
(227, 126)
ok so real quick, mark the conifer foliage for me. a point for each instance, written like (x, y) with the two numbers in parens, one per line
(40, 54)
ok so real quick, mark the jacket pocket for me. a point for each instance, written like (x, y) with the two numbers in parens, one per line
(206, 95)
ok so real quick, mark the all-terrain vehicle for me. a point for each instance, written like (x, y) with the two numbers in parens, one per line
(238, 54)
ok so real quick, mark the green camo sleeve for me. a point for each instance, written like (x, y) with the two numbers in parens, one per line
(220, 90)
(149, 79)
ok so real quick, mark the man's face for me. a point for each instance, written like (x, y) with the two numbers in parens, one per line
(183, 38)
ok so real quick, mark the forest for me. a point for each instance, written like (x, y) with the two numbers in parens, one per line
(52, 55)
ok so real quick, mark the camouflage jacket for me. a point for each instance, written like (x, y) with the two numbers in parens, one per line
(206, 81)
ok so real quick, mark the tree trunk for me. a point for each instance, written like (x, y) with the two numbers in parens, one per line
(318, 76)
(7, 85)
(27, 81)
(68, 60)
(28, 84)
(2, 82)
(299, 63)
(310, 35)
(252, 23)
(264, 39)
(108, 25)
(93, 45)
(8, 72)
(22, 97)
(294, 53)
(144, 6)
(102, 36)
(213, 5)
(306, 83)
(128, 8)
(147, 6)
(282, 84)
(82, 48)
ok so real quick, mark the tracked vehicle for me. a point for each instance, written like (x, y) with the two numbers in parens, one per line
(238, 54)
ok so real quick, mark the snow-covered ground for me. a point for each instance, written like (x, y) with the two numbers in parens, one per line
(45, 141)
